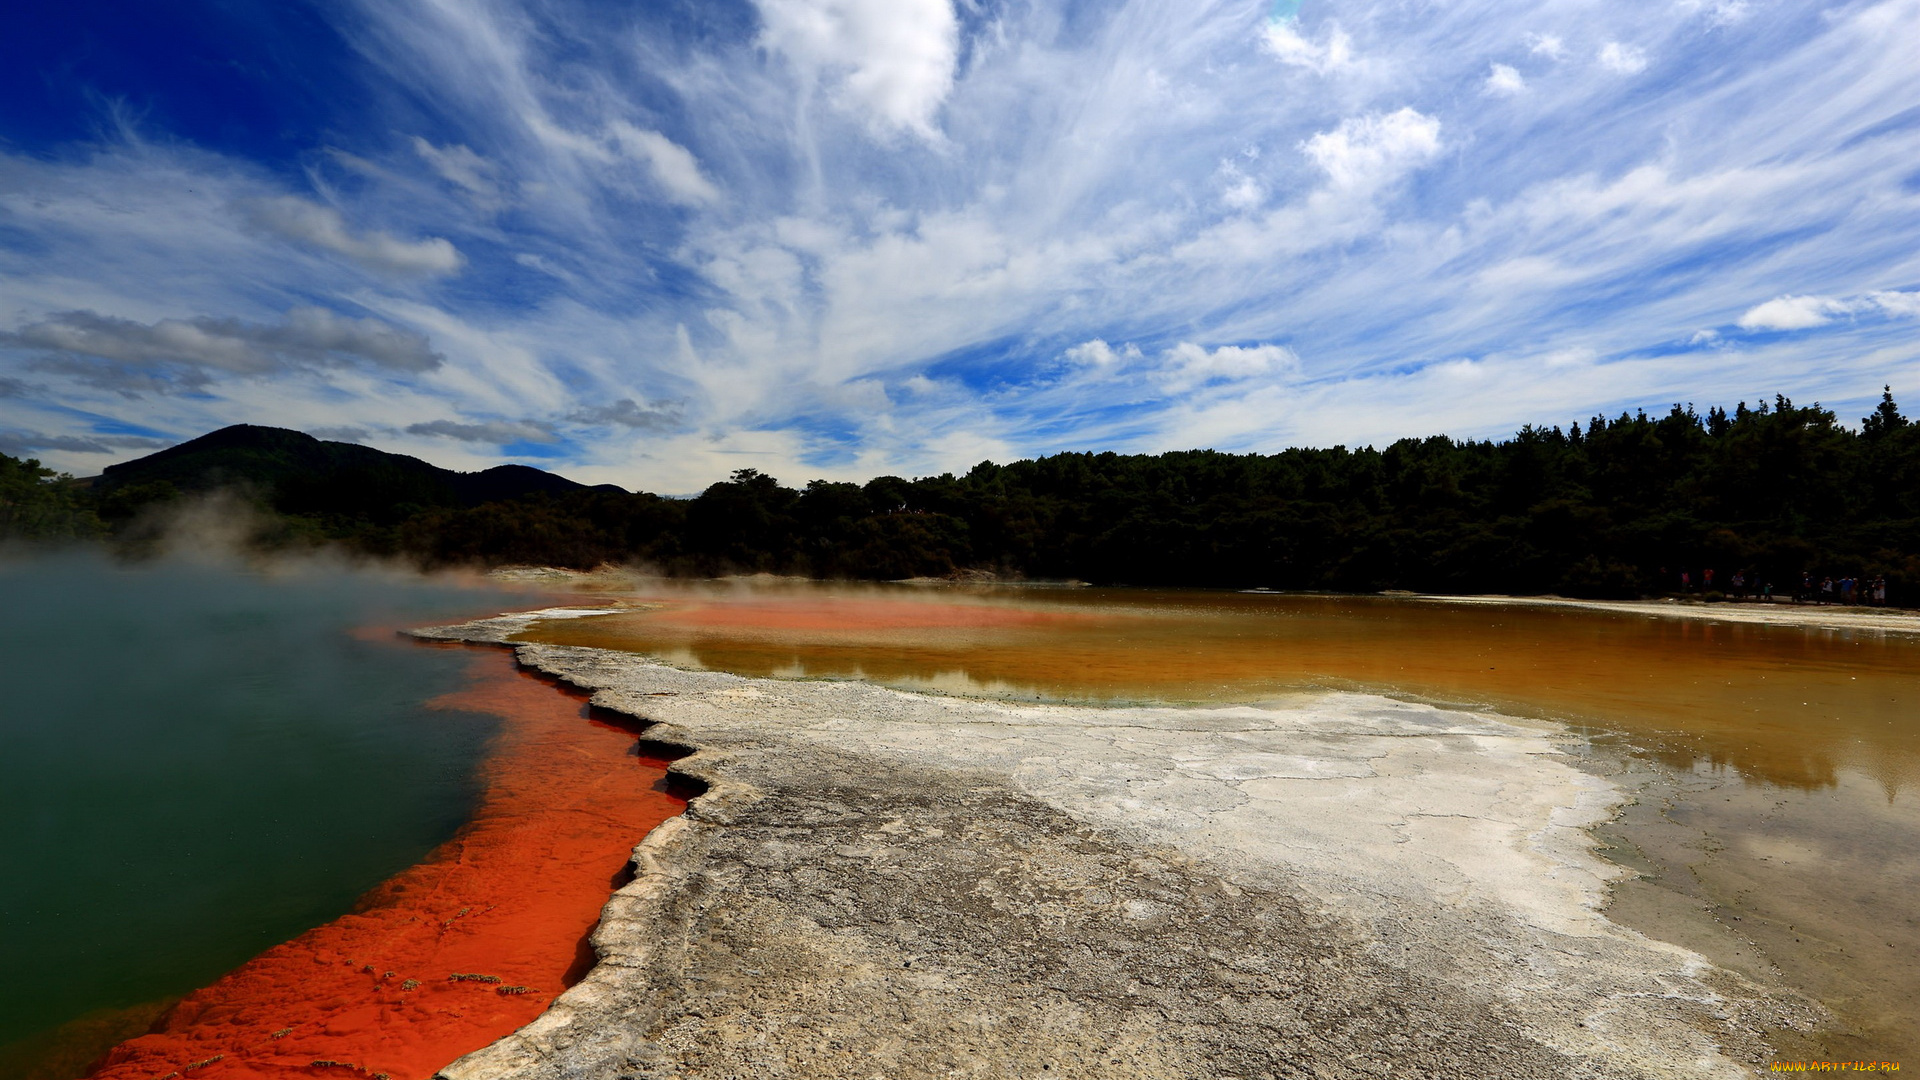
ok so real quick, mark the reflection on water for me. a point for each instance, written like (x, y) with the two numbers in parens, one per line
(1781, 704)
(1770, 761)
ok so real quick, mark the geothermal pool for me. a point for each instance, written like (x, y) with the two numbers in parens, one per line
(1775, 824)
(246, 790)
(245, 800)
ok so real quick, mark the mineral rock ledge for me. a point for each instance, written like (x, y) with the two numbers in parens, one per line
(883, 884)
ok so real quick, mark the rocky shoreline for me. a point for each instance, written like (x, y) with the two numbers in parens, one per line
(878, 883)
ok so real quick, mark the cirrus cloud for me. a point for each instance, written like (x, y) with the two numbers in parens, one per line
(672, 166)
(846, 237)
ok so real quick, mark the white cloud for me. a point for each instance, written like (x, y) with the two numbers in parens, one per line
(1367, 151)
(1188, 363)
(1099, 354)
(672, 166)
(1283, 39)
(1793, 313)
(1549, 46)
(1504, 80)
(1806, 312)
(1622, 59)
(324, 227)
(1073, 192)
(892, 60)
(1240, 191)
(1899, 305)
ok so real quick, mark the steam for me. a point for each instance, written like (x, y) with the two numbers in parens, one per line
(220, 527)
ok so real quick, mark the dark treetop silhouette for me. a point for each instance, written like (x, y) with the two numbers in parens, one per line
(1779, 495)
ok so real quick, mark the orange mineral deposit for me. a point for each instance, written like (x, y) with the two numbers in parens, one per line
(458, 951)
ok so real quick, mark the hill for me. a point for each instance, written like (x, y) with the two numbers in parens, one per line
(299, 475)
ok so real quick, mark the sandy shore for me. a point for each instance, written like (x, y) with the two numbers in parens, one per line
(1781, 613)
(880, 883)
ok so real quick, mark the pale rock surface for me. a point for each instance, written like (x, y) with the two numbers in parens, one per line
(879, 883)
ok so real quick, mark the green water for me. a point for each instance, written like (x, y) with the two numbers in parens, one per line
(199, 762)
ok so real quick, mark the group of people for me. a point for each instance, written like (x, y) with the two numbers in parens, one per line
(1846, 590)
(1828, 590)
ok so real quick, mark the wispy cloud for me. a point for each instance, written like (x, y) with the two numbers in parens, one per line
(1622, 59)
(461, 167)
(842, 237)
(672, 167)
(27, 443)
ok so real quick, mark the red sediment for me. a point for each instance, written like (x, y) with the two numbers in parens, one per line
(507, 903)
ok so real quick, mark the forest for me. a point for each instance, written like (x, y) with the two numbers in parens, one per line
(1616, 507)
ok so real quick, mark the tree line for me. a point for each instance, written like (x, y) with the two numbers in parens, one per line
(1613, 508)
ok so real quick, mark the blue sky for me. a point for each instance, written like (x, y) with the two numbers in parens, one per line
(649, 244)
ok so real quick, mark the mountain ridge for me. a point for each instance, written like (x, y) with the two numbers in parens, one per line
(299, 473)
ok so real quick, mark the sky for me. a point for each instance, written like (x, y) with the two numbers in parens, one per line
(653, 243)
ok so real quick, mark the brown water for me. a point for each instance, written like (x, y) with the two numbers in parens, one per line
(1776, 822)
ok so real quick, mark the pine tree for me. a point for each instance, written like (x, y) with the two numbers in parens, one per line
(1886, 419)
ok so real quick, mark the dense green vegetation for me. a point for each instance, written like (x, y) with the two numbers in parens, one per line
(1619, 507)
(37, 504)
